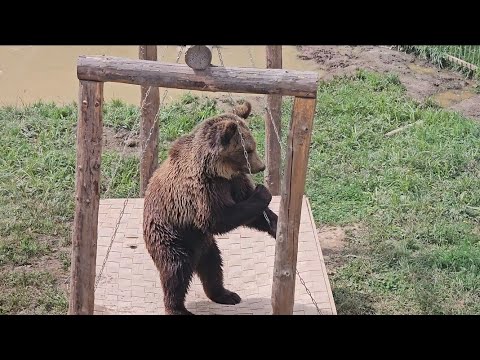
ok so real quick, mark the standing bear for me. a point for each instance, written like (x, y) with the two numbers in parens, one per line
(201, 190)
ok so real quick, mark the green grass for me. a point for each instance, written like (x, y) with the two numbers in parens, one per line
(415, 195)
(436, 54)
(35, 292)
(37, 184)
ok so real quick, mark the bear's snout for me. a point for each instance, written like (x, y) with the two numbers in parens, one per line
(258, 167)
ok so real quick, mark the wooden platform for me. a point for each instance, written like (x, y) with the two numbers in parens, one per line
(130, 283)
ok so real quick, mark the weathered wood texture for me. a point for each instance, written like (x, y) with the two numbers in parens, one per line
(214, 79)
(149, 102)
(87, 196)
(273, 115)
(198, 57)
(291, 206)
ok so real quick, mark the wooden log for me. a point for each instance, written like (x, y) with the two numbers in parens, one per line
(402, 128)
(198, 57)
(462, 62)
(273, 114)
(214, 79)
(87, 197)
(293, 186)
(150, 99)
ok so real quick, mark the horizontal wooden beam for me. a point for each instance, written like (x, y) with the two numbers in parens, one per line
(214, 79)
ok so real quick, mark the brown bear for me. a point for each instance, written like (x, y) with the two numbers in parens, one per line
(203, 189)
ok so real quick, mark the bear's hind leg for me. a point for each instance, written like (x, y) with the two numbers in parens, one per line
(209, 270)
(175, 277)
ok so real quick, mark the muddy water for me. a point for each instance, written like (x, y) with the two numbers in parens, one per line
(422, 69)
(451, 97)
(32, 73)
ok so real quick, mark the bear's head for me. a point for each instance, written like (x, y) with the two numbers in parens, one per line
(225, 134)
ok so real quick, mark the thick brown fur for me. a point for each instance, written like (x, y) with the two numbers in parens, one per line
(203, 189)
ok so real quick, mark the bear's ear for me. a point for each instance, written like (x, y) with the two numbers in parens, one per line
(243, 110)
(227, 132)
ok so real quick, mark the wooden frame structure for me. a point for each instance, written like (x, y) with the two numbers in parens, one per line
(94, 71)
(274, 110)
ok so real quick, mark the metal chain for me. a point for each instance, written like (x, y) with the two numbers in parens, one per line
(125, 143)
(161, 105)
(97, 281)
(282, 156)
(240, 133)
(142, 154)
(309, 293)
(252, 63)
(245, 153)
(277, 133)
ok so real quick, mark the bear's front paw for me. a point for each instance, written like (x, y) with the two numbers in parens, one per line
(226, 298)
(273, 228)
(262, 194)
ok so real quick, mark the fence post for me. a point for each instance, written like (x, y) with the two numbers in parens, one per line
(87, 198)
(151, 103)
(298, 147)
(274, 108)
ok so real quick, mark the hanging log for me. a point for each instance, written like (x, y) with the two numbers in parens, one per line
(198, 57)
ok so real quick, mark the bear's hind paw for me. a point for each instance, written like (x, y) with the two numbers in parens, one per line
(227, 298)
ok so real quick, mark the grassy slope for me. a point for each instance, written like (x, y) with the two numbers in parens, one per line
(416, 193)
(416, 196)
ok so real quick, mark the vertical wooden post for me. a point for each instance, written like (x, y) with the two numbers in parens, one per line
(87, 197)
(274, 107)
(149, 110)
(293, 186)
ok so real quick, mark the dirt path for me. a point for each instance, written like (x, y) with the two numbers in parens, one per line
(422, 79)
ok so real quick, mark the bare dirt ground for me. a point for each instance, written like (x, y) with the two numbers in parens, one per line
(121, 141)
(423, 80)
(447, 88)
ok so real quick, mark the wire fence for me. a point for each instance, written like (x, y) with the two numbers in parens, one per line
(465, 58)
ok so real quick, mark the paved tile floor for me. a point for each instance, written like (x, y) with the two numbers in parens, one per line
(130, 283)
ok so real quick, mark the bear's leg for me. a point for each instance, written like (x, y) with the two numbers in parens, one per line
(175, 277)
(209, 270)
